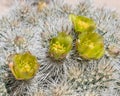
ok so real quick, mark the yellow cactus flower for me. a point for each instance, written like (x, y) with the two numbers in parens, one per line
(60, 46)
(90, 45)
(82, 23)
(24, 66)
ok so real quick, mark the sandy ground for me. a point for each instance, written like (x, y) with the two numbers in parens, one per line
(5, 5)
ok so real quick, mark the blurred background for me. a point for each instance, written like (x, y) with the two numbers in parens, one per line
(6, 5)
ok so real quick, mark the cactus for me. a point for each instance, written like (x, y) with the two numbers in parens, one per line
(27, 30)
(90, 45)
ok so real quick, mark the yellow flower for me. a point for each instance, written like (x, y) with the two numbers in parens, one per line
(82, 23)
(60, 46)
(24, 66)
(57, 47)
(90, 45)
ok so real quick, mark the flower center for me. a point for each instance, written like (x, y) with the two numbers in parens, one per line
(58, 48)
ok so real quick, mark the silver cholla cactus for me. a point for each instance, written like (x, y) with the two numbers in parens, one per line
(28, 29)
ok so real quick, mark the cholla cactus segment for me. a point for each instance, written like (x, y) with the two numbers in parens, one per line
(82, 23)
(60, 46)
(24, 66)
(90, 45)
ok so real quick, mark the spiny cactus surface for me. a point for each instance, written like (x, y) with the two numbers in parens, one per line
(29, 29)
